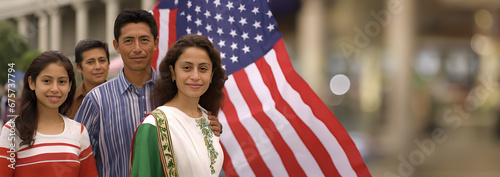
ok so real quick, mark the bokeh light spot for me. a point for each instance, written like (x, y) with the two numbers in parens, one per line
(340, 84)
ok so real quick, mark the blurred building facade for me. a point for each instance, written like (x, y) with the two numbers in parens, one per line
(417, 69)
(60, 24)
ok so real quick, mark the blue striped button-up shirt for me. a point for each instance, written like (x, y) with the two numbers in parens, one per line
(111, 112)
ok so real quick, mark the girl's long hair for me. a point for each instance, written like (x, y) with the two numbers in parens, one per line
(164, 89)
(27, 121)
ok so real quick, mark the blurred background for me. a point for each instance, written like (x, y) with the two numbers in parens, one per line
(415, 83)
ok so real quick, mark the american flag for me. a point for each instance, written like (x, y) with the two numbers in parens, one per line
(274, 124)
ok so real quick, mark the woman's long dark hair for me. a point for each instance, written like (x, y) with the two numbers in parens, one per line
(27, 121)
(164, 89)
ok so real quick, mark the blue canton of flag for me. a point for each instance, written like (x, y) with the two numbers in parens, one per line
(243, 33)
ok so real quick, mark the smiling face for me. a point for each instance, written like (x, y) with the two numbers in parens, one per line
(192, 73)
(51, 86)
(136, 46)
(94, 66)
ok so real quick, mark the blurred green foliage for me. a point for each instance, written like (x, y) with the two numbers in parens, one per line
(12, 48)
(26, 59)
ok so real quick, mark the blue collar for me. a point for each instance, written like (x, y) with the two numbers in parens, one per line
(125, 84)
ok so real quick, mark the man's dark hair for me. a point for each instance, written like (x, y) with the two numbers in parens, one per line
(88, 44)
(135, 16)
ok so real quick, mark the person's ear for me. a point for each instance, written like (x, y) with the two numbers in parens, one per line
(172, 72)
(31, 83)
(79, 68)
(156, 43)
(115, 44)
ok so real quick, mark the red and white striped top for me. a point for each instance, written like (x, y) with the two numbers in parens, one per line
(66, 154)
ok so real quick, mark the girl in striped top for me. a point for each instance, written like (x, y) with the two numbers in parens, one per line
(40, 141)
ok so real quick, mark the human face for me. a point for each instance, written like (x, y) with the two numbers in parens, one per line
(192, 73)
(51, 86)
(94, 66)
(136, 46)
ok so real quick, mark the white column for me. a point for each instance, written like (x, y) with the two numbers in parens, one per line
(311, 41)
(484, 42)
(148, 4)
(400, 40)
(55, 29)
(22, 26)
(43, 31)
(112, 8)
(82, 19)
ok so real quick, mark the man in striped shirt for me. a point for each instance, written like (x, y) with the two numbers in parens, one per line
(112, 111)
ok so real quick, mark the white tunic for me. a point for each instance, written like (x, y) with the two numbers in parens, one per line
(192, 157)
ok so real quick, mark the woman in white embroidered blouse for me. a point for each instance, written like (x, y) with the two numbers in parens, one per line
(190, 85)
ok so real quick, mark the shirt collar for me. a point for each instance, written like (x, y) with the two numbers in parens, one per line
(81, 91)
(125, 84)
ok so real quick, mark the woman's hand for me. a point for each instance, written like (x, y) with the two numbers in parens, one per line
(215, 124)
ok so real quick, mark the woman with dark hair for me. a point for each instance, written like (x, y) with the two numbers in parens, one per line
(176, 138)
(41, 141)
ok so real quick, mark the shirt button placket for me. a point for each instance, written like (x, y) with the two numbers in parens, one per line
(143, 98)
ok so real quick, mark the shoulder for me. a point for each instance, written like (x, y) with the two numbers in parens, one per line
(168, 109)
(79, 90)
(103, 91)
(170, 112)
(150, 119)
(173, 112)
(11, 124)
(147, 126)
(106, 85)
(73, 125)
